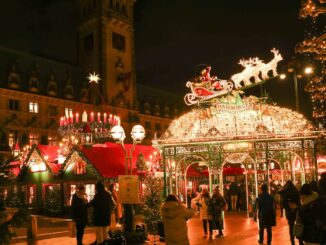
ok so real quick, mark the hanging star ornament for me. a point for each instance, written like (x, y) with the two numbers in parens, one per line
(94, 78)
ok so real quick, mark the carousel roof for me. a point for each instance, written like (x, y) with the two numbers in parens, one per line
(251, 119)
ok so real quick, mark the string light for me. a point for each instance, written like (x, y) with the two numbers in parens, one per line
(261, 121)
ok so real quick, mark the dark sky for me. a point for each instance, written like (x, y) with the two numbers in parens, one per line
(171, 37)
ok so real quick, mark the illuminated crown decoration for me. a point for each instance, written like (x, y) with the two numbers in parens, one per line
(206, 87)
(73, 128)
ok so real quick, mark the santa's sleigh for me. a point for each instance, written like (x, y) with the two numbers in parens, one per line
(205, 90)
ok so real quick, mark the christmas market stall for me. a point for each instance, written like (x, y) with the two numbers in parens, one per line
(226, 130)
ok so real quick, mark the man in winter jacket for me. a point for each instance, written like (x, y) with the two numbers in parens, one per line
(79, 212)
(309, 215)
(265, 206)
(290, 202)
(175, 216)
(217, 205)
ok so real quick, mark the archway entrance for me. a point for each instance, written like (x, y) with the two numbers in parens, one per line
(192, 173)
(237, 171)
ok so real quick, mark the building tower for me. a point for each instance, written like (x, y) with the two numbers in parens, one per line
(106, 47)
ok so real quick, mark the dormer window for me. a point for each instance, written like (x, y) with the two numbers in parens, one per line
(13, 78)
(33, 82)
(69, 90)
(52, 86)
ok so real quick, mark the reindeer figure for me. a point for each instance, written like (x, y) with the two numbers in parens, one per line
(256, 64)
(251, 70)
(271, 66)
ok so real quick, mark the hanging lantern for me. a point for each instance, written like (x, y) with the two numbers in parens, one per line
(87, 137)
(16, 150)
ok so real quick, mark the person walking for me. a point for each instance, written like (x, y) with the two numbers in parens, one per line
(290, 202)
(103, 204)
(175, 216)
(117, 212)
(265, 206)
(203, 201)
(217, 205)
(234, 192)
(79, 212)
(309, 216)
(190, 196)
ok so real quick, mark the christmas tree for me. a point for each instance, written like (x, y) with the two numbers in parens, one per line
(152, 202)
(313, 48)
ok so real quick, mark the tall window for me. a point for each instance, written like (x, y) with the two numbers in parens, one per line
(52, 140)
(33, 138)
(31, 194)
(12, 136)
(14, 105)
(33, 107)
(80, 167)
(148, 125)
(52, 110)
(118, 42)
(89, 42)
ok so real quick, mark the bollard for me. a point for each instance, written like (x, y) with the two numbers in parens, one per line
(71, 228)
(32, 228)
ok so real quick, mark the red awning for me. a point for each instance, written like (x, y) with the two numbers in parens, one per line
(192, 172)
(109, 158)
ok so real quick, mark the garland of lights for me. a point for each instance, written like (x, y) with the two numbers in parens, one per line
(262, 121)
(314, 48)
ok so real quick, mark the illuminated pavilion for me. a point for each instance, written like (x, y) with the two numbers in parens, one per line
(266, 141)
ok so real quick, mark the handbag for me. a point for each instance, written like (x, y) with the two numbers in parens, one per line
(298, 227)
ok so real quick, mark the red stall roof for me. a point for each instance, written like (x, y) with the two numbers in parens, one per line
(109, 158)
(51, 151)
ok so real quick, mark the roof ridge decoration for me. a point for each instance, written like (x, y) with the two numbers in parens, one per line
(206, 88)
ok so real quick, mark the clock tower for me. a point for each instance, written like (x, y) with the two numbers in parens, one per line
(106, 47)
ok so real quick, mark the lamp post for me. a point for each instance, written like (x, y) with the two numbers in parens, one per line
(137, 135)
(308, 70)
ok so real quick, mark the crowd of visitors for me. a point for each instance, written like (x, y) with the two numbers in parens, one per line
(304, 206)
(305, 211)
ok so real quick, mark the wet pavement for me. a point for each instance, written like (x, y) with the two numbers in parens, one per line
(239, 230)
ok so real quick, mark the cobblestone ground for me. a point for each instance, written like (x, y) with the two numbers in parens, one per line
(239, 230)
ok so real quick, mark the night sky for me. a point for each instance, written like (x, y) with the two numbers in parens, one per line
(172, 37)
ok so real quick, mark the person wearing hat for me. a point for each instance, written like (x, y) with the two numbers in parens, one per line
(309, 215)
(79, 212)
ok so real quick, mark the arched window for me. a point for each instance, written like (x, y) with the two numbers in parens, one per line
(117, 6)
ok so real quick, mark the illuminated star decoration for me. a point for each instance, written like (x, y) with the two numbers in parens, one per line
(94, 78)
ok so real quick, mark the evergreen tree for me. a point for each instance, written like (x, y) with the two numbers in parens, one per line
(152, 202)
(53, 201)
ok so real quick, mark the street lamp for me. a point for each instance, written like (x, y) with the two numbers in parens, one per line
(137, 134)
(308, 70)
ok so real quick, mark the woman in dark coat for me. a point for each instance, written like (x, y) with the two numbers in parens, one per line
(79, 212)
(217, 205)
(309, 215)
(290, 202)
(265, 205)
(103, 204)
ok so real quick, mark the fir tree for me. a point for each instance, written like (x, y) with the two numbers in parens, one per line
(152, 202)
